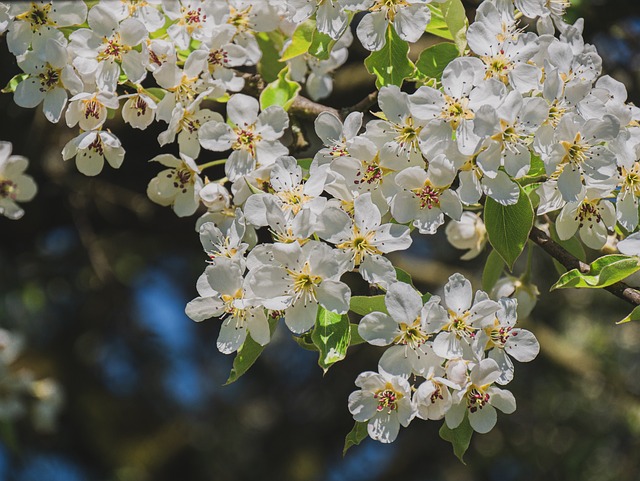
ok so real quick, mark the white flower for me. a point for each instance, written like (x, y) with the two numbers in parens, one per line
(90, 110)
(433, 399)
(177, 186)
(525, 293)
(330, 15)
(91, 149)
(383, 402)
(298, 280)
(364, 239)
(139, 110)
(480, 399)
(502, 340)
(458, 324)
(408, 17)
(253, 137)
(222, 295)
(467, 233)
(15, 186)
(49, 78)
(404, 327)
(335, 136)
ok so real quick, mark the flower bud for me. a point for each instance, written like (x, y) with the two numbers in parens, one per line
(526, 294)
(467, 233)
(215, 197)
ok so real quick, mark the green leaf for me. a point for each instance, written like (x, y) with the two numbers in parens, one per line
(404, 276)
(300, 40)
(603, 272)
(508, 226)
(459, 437)
(364, 305)
(634, 316)
(455, 17)
(248, 354)
(537, 167)
(390, 65)
(493, 269)
(331, 335)
(270, 44)
(305, 342)
(426, 297)
(156, 92)
(321, 45)
(355, 436)
(433, 60)
(531, 190)
(356, 338)
(13, 83)
(305, 163)
(572, 245)
(437, 25)
(281, 91)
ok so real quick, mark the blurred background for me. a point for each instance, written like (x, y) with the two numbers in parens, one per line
(95, 277)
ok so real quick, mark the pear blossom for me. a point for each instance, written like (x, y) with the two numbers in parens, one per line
(519, 289)
(222, 295)
(331, 18)
(457, 324)
(502, 339)
(298, 280)
(89, 111)
(335, 135)
(403, 327)
(91, 149)
(253, 137)
(34, 23)
(383, 402)
(433, 399)
(467, 233)
(409, 19)
(364, 239)
(138, 110)
(480, 399)
(50, 76)
(15, 185)
(177, 186)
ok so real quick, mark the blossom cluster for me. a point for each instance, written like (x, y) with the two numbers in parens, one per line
(519, 108)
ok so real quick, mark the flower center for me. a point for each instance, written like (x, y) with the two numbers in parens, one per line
(411, 335)
(305, 283)
(246, 139)
(456, 110)
(458, 324)
(217, 57)
(476, 398)
(49, 78)
(389, 7)
(240, 19)
(498, 66)
(576, 151)
(360, 245)
(631, 179)
(407, 134)
(387, 399)
(8, 189)
(428, 195)
(588, 212)
(37, 16)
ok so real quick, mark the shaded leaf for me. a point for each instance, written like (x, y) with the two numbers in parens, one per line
(433, 60)
(390, 65)
(355, 436)
(459, 437)
(356, 338)
(321, 45)
(248, 354)
(455, 17)
(493, 269)
(508, 226)
(270, 44)
(404, 276)
(364, 305)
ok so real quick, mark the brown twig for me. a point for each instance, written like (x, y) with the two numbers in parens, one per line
(365, 104)
(559, 253)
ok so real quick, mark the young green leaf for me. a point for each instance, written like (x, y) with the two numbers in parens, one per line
(13, 83)
(437, 25)
(634, 316)
(305, 163)
(493, 269)
(390, 65)
(455, 17)
(305, 342)
(459, 437)
(508, 226)
(363, 305)
(603, 272)
(300, 40)
(331, 335)
(247, 355)
(281, 91)
(355, 436)
(433, 60)
(321, 45)
(404, 276)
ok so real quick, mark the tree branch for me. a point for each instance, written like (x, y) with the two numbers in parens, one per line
(564, 257)
(304, 107)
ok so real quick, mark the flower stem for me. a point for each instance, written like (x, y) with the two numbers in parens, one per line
(212, 163)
